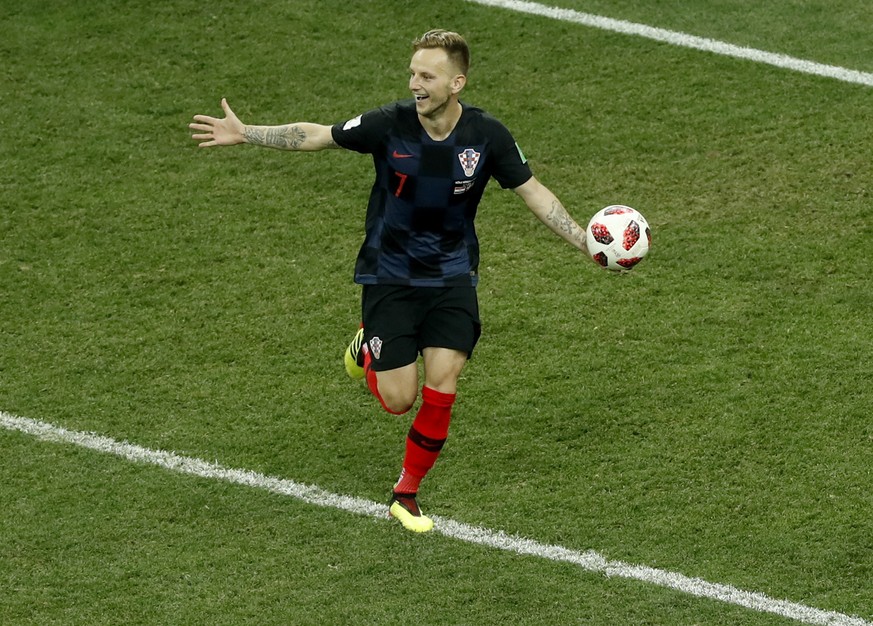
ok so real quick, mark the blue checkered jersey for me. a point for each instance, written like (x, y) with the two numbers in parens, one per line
(419, 226)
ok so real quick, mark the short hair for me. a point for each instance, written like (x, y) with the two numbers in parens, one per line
(454, 45)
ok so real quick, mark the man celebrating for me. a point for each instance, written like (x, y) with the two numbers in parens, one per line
(418, 265)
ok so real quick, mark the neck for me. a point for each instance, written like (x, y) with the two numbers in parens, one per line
(441, 125)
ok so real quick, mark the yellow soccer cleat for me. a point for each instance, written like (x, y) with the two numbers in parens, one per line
(404, 508)
(350, 358)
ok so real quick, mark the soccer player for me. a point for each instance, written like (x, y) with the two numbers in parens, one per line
(418, 264)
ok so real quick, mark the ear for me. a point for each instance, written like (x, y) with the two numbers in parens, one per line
(458, 83)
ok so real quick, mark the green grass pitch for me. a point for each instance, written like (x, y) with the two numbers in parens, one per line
(708, 413)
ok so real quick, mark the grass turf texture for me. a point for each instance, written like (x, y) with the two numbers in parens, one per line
(707, 413)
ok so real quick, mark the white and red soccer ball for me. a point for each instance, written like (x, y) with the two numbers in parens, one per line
(618, 237)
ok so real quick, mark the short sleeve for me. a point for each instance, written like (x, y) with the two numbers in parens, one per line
(510, 168)
(365, 132)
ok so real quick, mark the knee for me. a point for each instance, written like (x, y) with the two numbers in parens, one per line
(398, 401)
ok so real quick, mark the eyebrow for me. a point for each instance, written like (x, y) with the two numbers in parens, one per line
(413, 71)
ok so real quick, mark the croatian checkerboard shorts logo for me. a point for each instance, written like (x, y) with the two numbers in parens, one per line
(376, 347)
(469, 160)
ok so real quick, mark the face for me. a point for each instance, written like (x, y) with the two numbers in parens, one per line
(434, 81)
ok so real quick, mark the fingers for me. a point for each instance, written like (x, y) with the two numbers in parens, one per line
(207, 138)
(208, 119)
(208, 126)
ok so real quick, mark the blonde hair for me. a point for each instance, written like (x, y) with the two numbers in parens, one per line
(454, 45)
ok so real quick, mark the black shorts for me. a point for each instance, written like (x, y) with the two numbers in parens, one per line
(400, 322)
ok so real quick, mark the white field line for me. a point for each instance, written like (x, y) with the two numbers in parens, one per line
(590, 560)
(684, 40)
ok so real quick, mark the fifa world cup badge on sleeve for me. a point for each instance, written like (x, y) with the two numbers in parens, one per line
(352, 123)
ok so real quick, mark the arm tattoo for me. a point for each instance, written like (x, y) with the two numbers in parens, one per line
(561, 222)
(288, 137)
(254, 135)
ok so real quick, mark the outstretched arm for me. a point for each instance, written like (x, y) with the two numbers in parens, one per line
(229, 131)
(546, 206)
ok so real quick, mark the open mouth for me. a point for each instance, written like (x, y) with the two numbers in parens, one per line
(419, 98)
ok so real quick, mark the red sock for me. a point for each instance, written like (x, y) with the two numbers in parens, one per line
(426, 438)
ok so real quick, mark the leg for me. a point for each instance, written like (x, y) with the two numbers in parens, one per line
(443, 326)
(430, 428)
(388, 346)
(449, 332)
(442, 368)
(428, 433)
(396, 389)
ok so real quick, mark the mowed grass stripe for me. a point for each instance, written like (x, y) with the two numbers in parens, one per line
(684, 40)
(589, 560)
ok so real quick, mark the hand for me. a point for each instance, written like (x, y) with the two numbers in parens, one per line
(218, 132)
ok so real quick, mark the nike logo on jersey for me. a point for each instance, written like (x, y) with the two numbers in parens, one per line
(397, 155)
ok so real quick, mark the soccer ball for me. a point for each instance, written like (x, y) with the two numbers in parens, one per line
(618, 237)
